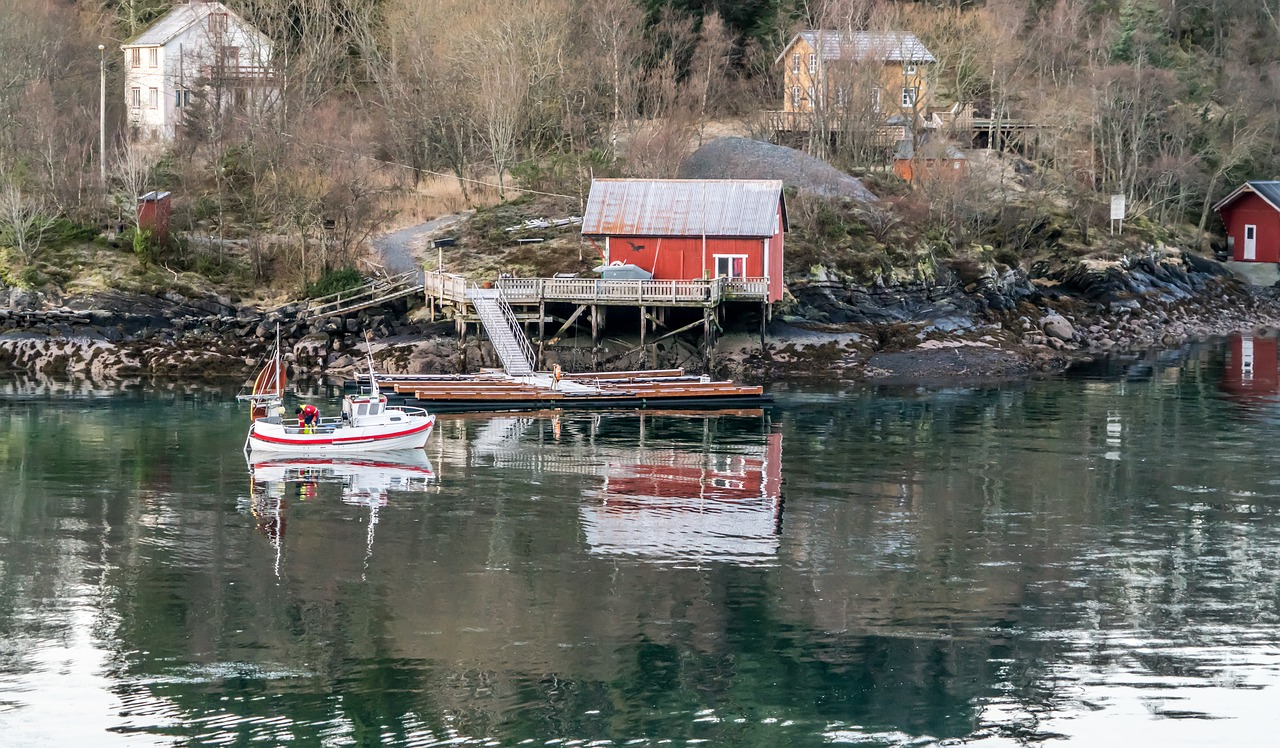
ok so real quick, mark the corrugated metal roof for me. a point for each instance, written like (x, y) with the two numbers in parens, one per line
(889, 46)
(682, 207)
(1268, 190)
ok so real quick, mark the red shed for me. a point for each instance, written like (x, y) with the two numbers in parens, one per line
(689, 229)
(153, 215)
(1252, 217)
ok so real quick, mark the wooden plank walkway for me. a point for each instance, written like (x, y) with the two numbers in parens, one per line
(491, 390)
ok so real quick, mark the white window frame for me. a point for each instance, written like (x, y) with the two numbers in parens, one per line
(813, 63)
(153, 98)
(795, 97)
(182, 98)
(153, 57)
(135, 97)
(795, 63)
(842, 97)
(910, 68)
(715, 262)
(135, 58)
(875, 99)
(218, 23)
(910, 96)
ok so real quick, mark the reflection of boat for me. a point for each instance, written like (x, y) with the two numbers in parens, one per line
(365, 479)
(367, 423)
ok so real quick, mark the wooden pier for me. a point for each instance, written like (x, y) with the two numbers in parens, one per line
(496, 390)
(529, 297)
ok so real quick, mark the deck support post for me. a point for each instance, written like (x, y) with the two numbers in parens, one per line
(707, 327)
(764, 324)
(542, 331)
(462, 343)
(595, 337)
(643, 324)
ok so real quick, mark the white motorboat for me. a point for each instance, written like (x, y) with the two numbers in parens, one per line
(367, 422)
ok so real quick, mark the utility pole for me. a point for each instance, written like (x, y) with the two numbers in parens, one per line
(102, 114)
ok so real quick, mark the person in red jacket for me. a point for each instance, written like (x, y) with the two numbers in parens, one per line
(308, 418)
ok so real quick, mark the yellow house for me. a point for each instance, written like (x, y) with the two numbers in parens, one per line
(833, 70)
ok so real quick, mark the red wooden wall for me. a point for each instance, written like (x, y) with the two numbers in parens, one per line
(1251, 209)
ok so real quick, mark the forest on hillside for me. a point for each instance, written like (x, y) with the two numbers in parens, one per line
(384, 102)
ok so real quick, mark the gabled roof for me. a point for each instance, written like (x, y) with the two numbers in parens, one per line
(1269, 191)
(887, 46)
(182, 17)
(683, 207)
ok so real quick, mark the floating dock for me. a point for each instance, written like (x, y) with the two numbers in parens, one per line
(497, 390)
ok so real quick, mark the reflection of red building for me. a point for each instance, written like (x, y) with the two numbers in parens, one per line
(1251, 369)
(681, 505)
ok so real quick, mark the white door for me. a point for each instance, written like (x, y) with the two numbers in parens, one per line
(1250, 242)
(1246, 357)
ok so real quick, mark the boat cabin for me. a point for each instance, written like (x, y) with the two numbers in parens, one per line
(356, 407)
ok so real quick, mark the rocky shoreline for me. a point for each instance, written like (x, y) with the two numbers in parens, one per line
(965, 323)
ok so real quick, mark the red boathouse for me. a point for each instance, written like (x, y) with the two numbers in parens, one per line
(690, 229)
(1251, 215)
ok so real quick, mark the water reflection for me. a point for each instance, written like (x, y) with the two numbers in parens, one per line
(664, 486)
(362, 480)
(1093, 561)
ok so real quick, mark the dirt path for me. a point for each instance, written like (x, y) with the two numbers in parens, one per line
(404, 250)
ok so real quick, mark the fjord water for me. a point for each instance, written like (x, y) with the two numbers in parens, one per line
(1090, 560)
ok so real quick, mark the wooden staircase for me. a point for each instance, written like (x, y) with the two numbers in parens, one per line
(509, 341)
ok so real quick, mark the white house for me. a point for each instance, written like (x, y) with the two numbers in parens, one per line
(197, 48)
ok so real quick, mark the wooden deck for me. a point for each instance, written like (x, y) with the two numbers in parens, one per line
(450, 288)
(493, 390)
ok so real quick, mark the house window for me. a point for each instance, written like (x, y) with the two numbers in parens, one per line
(731, 266)
(842, 97)
(909, 96)
(813, 100)
(875, 99)
(217, 22)
(153, 57)
(813, 63)
(153, 98)
(909, 69)
(231, 56)
(182, 97)
(795, 63)
(795, 97)
(135, 97)
(135, 58)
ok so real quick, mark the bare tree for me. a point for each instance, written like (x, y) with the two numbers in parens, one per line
(24, 221)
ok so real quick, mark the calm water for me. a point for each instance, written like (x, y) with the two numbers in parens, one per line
(1087, 561)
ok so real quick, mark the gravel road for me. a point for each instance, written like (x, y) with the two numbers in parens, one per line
(404, 250)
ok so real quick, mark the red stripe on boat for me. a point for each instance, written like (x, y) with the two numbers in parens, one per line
(351, 440)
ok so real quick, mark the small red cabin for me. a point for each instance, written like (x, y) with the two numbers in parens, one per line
(690, 229)
(153, 215)
(1251, 215)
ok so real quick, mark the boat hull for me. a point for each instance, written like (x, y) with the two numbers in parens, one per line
(409, 433)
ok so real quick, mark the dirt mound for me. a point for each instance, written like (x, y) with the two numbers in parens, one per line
(741, 158)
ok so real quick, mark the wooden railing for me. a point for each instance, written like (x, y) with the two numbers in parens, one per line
(445, 286)
(518, 291)
(374, 292)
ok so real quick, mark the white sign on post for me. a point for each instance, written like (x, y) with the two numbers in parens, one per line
(1117, 207)
(1117, 212)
